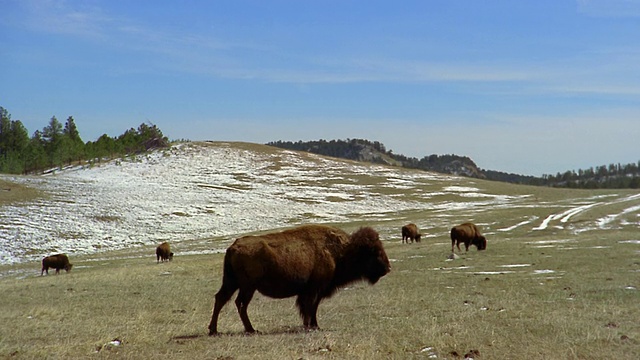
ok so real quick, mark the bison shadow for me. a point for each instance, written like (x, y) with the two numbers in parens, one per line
(284, 330)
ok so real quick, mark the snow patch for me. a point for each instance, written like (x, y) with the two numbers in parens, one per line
(514, 265)
(545, 271)
(637, 242)
(605, 221)
(525, 222)
(564, 216)
(461, 189)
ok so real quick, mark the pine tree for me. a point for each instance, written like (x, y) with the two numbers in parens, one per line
(52, 136)
(35, 154)
(73, 142)
(5, 128)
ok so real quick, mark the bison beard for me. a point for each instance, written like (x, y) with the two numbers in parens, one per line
(310, 262)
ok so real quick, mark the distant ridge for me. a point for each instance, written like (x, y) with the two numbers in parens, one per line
(375, 152)
(613, 176)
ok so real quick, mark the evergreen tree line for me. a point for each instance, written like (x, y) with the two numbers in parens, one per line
(350, 149)
(56, 145)
(614, 176)
(602, 177)
(447, 164)
(355, 149)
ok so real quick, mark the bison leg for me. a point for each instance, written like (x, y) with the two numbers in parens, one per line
(242, 303)
(314, 314)
(303, 306)
(308, 306)
(453, 244)
(222, 297)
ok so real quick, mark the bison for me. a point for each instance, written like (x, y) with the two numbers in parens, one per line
(410, 232)
(310, 262)
(163, 252)
(57, 261)
(468, 234)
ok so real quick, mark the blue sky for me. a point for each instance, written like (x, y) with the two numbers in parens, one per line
(531, 87)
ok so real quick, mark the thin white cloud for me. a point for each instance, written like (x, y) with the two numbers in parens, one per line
(56, 16)
(197, 53)
(603, 89)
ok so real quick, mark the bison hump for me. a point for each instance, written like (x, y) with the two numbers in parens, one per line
(468, 230)
(292, 263)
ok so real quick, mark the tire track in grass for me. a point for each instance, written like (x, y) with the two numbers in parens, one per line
(602, 222)
(564, 216)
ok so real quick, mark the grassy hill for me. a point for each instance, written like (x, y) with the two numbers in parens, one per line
(559, 279)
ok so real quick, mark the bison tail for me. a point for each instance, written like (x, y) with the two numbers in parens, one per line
(228, 274)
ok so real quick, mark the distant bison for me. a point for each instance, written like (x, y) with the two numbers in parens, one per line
(410, 232)
(57, 261)
(468, 234)
(163, 252)
(310, 262)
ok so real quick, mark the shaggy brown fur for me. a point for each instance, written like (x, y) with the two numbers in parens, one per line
(57, 261)
(310, 262)
(469, 234)
(410, 232)
(163, 252)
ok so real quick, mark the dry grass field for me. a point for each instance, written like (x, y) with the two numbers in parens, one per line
(568, 290)
(516, 300)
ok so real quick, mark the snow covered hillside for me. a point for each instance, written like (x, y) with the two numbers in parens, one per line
(223, 190)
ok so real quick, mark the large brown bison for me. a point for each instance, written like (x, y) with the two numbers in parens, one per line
(163, 252)
(468, 234)
(310, 262)
(57, 261)
(410, 232)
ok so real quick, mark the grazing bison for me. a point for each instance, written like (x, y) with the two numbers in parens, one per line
(410, 232)
(57, 261)
(468, 234)
(310, 262)
(163, 252)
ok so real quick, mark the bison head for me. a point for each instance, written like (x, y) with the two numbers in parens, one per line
(480, 242)
(372, 257)
(377, 266)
